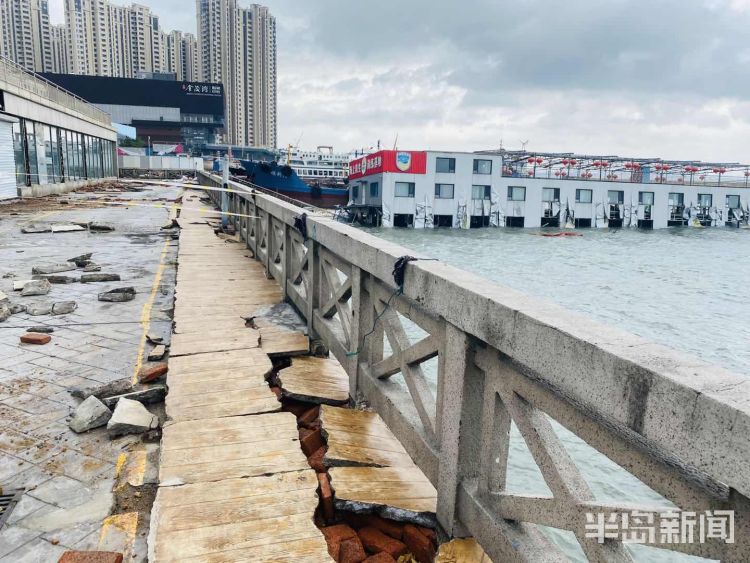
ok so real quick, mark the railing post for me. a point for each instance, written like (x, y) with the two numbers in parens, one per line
(286, 260)
(459, 419)
(313, 295)
(356, 331)
(268, 226)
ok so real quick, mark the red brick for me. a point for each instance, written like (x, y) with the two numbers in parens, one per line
(277, 392)
(380, 558)
(326, 496)
(428, 533)
(152, 373)
(316, 460)
(310, 440)
(419, 545)
(388, 527)
(297, 408)
(335, 535)
(90, 557)
(376, 541)
(309, 417)
(34, 338)
(352, 551)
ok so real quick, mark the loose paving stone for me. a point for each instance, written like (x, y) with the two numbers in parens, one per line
(18, 285)
(53, 268)
(121, 295)
(36, 287)
(150, 396)
(4, 312)
(61, 280)
(101, 227)
(99, 278)
(81, 260)
(92, 268)
(119, 387)
(64, 307)
(39, 309)
(90, 414)
(131, 417)
(463, 550)
(66, 228)
(17, 308)
(3, 297)
(43, 330)
(157, 353)
(36, 338)
(315, 380)
(36, 228)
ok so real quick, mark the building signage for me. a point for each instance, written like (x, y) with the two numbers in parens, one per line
(201, 89)
(398, 162)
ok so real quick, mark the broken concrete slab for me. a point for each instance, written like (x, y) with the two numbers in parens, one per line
(99, 278)
(131, 417)
(119, 387)
(39, 309)
(43, 330)
(120, 295)
(36, 228)
(36, 288)
(4, 313)
(149, 396)
(18, 285)
(53, 268)
(90, 414)
(66, 228)
(81, 260)
(88, 268)
(64, 307)
(17, 308)
(59, 280)
(157, 353)
(3, 297)
(101, 227)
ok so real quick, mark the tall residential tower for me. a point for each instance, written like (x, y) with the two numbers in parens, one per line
(237, 47)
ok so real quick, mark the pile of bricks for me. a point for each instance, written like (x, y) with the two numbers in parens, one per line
(354, 538)
(371, 539)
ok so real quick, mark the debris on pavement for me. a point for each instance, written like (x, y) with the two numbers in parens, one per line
(36, 287)
(82, 260)
(157, 353)
(36, 338)
(41, 329)
(39, 309)
(92, 268)
(4, 313)
(90, 414)
(152, 373)
(99, 278)
(149, 396)
(120, 295)
(117, 387)
(17, 308)
(60, 280)
(53, 268)
(131, 417)
(64, 307)
(18, 285)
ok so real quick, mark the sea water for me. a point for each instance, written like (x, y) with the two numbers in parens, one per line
(684, 288)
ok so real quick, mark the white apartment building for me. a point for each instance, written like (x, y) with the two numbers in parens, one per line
(59, 49)
(237, 47)
(25, 33)
(182, 55)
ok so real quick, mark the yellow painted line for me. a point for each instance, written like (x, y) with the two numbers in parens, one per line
(132, 471)
(146, 312)
(118, 533)
(121, 459)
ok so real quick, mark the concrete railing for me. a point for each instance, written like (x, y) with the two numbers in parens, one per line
(14, 75)
(679, 425)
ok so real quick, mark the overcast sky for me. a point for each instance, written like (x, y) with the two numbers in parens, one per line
(667, 78)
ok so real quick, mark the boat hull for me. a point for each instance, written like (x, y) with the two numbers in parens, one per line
(284, 181)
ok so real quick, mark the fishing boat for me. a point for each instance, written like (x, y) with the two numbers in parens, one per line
(282, 178)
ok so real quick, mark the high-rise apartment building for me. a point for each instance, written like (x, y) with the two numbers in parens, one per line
(237, 47)
(182, 53)
(59, 49)
(25, 33)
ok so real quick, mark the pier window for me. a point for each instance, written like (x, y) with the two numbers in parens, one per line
(355, 192)
(445, 165)
(733, 201)
(482, 166)
(404, 189)
(584, 196)
(374, 189)
(676, 199)
(516, 193)
(481, 193)
(550, 195)
(705, 200)
(646, 198)
(444, 191)
(615, 197)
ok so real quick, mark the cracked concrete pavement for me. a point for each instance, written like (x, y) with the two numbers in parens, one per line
(69, 478)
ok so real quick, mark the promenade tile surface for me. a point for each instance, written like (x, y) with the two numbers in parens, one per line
(68, 477)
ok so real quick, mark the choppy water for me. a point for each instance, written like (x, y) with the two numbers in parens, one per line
(684, 288)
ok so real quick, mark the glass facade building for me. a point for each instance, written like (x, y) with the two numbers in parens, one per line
(45, 154)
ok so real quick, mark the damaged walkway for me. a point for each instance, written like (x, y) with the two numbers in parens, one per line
(234, 483)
